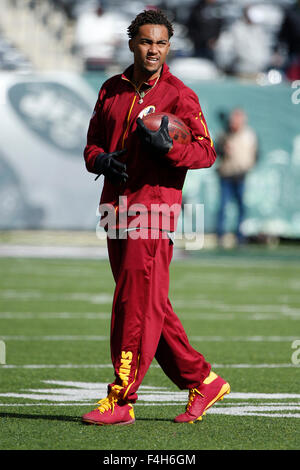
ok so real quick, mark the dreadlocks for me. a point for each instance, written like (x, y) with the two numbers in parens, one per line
(149, 17)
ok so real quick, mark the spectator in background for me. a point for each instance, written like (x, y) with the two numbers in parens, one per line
(98, 33)
(237, 149)
(204, 25)
(244, 49)
(289, 35)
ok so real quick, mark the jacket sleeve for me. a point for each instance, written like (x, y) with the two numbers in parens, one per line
(95, 138)
(200, 153)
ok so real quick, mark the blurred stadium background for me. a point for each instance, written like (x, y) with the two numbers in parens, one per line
(239, 305)
(54, 56)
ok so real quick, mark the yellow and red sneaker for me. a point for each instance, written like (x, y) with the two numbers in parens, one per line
(203, 397)
(111, 411)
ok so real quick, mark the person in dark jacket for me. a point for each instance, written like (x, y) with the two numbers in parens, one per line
(205, 24)
(289, 35)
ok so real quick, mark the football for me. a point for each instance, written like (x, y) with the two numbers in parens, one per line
(177, 128)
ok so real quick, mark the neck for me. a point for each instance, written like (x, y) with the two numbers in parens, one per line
(140, 77)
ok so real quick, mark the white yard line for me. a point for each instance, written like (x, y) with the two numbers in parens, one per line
(271, 311)
(292, 315)
(109, 366)
(54, 315)
(244, 412)
(214, 410)
(57, 366)
(26, 295)
(74, 393)
(54, 338)
(259, 339)
(28, 251)
(244, 262)
(19, 405)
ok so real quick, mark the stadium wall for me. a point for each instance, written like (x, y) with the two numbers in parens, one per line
(44, 184)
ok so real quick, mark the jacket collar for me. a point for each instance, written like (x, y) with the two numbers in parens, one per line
(127, 75)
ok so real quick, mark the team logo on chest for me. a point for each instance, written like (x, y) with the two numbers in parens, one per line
(146, 111)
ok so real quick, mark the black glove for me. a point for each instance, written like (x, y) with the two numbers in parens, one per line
(159, 139)
(107, 165)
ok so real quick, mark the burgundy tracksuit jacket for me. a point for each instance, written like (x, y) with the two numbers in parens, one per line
(143, 324)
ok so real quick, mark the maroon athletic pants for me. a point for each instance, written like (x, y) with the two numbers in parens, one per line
(143, 323)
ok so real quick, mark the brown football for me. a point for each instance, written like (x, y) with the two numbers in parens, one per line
(176, 127)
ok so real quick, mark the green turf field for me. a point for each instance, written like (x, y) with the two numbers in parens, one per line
(240, 309)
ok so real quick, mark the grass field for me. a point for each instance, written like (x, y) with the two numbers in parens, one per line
(241, 309)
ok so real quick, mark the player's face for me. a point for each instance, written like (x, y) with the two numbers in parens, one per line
(150, 48)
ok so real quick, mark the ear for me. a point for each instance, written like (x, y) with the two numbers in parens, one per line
(130, 44)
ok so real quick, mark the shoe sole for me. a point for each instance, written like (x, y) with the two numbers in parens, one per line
(108, 424)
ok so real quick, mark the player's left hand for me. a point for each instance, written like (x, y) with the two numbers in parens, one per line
(107, 164)
(160, 140)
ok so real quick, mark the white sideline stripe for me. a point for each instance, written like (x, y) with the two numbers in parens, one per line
(192, 338)
(109, 366)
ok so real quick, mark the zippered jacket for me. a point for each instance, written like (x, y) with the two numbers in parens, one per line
(152, 195)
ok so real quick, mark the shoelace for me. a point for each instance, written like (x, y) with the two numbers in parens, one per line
(109, 402)
(192, 394)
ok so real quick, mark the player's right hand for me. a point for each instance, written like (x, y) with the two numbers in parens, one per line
(107, 164)
(160, 140)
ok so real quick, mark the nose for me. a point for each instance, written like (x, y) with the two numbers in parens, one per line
(153, 49)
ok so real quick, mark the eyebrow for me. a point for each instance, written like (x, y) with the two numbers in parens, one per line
(150, 40)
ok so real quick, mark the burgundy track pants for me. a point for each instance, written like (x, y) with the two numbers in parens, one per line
(143, 323)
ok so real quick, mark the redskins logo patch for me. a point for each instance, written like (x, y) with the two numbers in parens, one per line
(146, 111)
